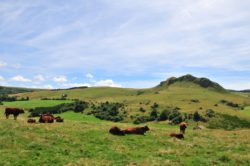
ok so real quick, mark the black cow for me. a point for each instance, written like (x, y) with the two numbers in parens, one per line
(175, 135)
(13, 111)
(116, 131)
(58, 119)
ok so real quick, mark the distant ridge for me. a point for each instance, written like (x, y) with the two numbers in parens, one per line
(203, 82)
(13, 90)
(242, 91)
(79, 87)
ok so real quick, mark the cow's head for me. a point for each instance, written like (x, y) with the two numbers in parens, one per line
(21, 111)
(146, 128)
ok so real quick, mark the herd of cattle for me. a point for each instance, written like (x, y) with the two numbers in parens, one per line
(49, 118)
(141, 131)
(44, 118)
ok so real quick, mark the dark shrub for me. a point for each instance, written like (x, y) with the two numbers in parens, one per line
(172, 114)
(153, 115)
(154, 106)
(210, 113)
(164, 115)
(142, 109)
(109, 111)
(80, 106)
(230, 104)
(228, 122)
(141, 119)
(197, 117)
(5, 97)
(195, 100)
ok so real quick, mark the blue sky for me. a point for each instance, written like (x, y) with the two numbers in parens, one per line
(123, 43)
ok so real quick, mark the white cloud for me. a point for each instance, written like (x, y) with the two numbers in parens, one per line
(89, 76)
(1, 79)
(211, 34)
(108, 82)
(20, 78)
(39, 78)
(48, 86)
(71, 85)
(60, 79)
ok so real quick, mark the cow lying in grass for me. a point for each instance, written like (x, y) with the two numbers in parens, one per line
(136, 130)
(58, 119)
(46, 118)
(133, 130)
(49, 118)
(178, 136)
(116, 131)
(13, 111)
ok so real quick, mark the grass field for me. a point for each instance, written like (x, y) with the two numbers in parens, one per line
(35, 103)
(246, 111)
(176, 95)
(84, 140)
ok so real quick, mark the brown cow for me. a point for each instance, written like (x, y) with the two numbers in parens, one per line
(31, 121)
(136, 130)
(58, 119)
(46, 118)
(116, 131)
(14, 111)
(175, 135)
(183, 126)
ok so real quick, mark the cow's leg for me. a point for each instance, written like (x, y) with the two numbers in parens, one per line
(15, 117)
(7, 116)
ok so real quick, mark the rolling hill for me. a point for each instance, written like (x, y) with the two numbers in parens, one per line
(188, 93)
(14, 90)
(84, 139)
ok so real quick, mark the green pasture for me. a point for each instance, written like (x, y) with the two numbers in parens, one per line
(84, 140)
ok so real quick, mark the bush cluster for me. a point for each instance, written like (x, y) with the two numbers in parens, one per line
(231, 104)
(63, 97)
(77, 106)
(172, 114)
(109, 111)
(5, 97)
(228, 122)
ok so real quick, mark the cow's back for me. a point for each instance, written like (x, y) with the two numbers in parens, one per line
(11, 110)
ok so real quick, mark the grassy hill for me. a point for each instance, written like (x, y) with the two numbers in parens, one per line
(84, 140)
(14, 90)
(188, 93)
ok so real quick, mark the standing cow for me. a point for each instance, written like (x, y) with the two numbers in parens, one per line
(183, 126)
(14, 111)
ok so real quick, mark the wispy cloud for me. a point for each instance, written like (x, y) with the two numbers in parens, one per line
(20, 78)
(60, 79)
(118, 39)
(108, 83)
(89, 76)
